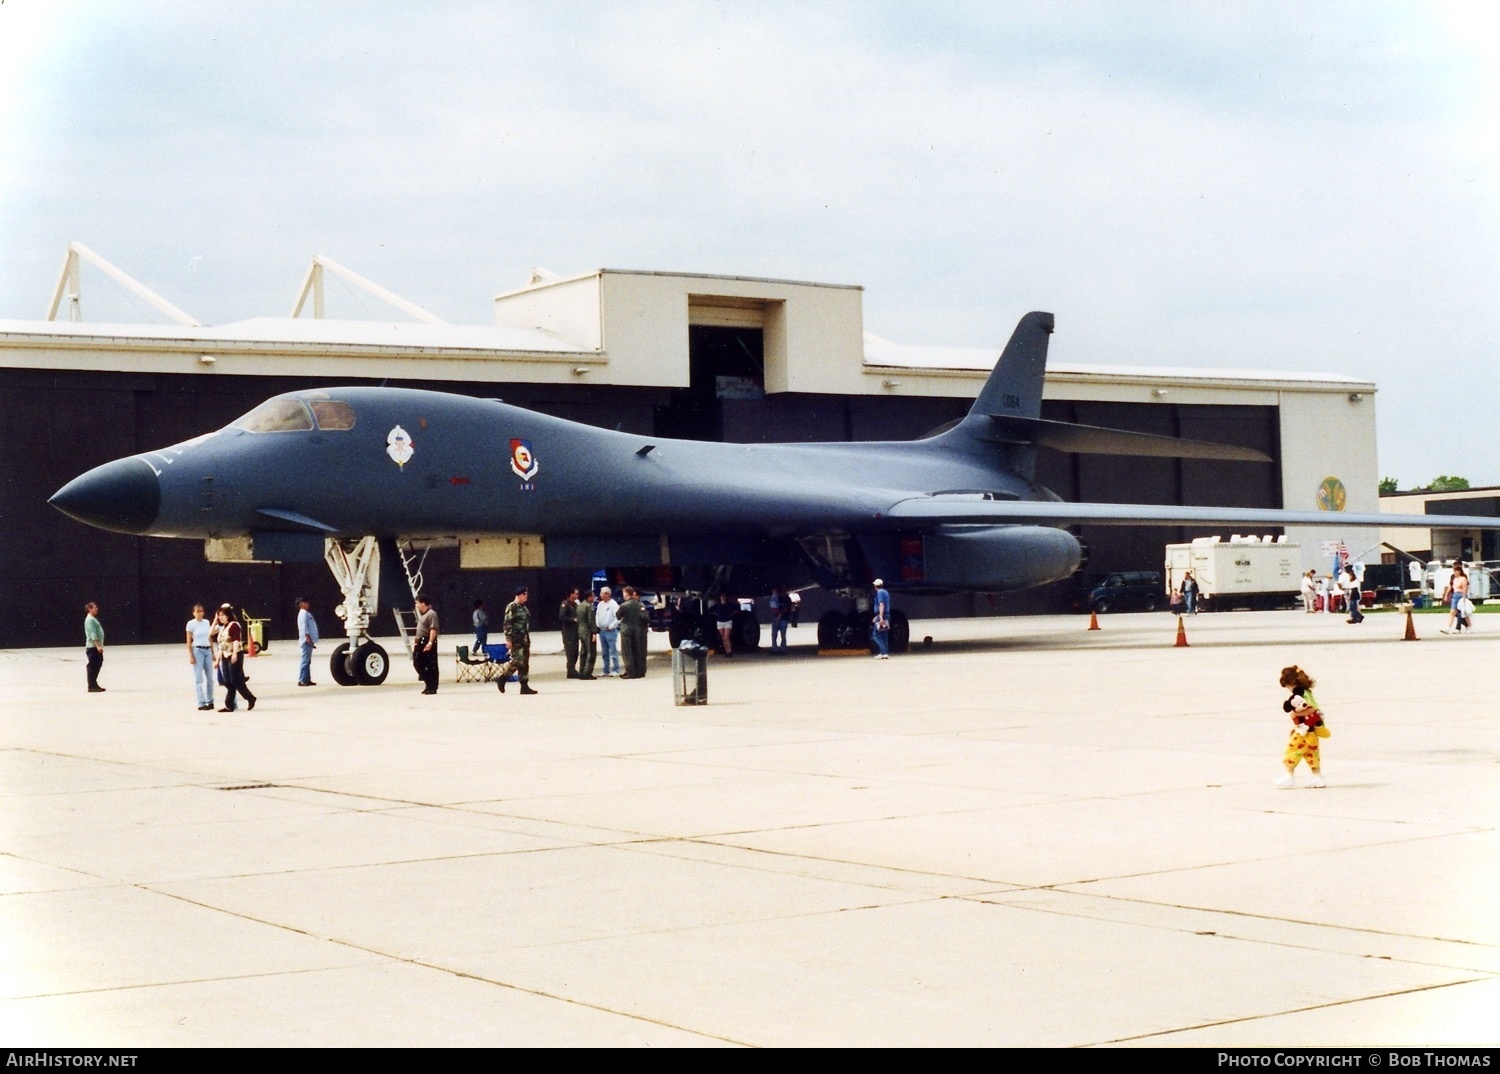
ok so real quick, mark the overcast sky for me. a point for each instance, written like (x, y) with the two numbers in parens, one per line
(1298, 186)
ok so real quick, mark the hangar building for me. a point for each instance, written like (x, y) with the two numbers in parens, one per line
(669, 354)
(1467, 545)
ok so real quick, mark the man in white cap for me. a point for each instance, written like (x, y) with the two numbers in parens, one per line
(880, 621)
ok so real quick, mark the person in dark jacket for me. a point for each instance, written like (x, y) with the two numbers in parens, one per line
(588, 636)
(634, 621)
(567, 614)
(424, 655)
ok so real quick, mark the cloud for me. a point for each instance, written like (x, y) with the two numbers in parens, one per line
(1272, 186)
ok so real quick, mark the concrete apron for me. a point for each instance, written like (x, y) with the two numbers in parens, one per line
(1028, 834)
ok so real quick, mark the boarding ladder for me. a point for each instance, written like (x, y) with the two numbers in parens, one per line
(406, 618)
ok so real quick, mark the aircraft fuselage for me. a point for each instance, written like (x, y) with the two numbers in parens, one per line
(401, 462)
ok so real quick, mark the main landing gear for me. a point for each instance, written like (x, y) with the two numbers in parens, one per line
(690, 619)
(837, 630)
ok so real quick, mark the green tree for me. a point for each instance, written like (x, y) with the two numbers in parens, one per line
(1388, 484)
(1447, 483)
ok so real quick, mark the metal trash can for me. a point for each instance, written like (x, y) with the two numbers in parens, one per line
(690, 674)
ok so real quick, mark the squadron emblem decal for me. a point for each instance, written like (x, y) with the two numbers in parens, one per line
(399, 446)
(523, 463)
(1332, 495)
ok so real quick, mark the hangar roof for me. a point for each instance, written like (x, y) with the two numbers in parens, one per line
(300, 331)
(83, 345)
(622, 327)
(881, 352)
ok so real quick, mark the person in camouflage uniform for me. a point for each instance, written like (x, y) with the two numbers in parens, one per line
(588, 636)
(518, 637)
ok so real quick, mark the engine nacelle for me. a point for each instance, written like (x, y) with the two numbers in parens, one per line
(996, 559)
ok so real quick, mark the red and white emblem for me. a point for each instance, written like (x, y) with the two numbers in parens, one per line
(522, 460)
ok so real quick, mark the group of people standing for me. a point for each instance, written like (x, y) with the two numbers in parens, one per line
(1318, 593)
(216, 647)
(784, 608)
(1185, 596)
(592, 628)
(215, 653)
(615, 630)
(216, 650)
(598, 633)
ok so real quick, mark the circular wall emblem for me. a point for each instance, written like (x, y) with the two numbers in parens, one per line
(1331, 495)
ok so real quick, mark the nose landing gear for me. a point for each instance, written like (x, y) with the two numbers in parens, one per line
(360, 661)
(362, 664)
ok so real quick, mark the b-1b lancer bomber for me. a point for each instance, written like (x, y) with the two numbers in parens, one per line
(339, 473)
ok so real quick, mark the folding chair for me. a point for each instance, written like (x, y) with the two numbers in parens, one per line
(472, 670)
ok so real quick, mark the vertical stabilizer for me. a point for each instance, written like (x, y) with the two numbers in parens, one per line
(1015, 387)
(1014, 390)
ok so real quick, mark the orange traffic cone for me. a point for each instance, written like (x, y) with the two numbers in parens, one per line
(1093, 620)
(1411, 628)
(252, 649)
(1182, 642)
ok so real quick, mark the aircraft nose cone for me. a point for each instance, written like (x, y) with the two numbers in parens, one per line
(123, 496)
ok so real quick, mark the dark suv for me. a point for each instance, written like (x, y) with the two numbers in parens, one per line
(1121, 591)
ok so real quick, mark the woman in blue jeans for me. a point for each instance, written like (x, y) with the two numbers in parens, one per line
(1353, 596)
(1189, 593)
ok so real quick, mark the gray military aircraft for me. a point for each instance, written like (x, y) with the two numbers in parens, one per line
(340, 473)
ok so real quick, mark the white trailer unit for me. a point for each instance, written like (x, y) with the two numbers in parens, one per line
(1482, 580)
(1243, 572)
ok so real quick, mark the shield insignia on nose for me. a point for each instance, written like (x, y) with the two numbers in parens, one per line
(522, 460)
(399, 446)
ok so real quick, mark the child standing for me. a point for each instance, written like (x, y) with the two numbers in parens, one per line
(1307, 728)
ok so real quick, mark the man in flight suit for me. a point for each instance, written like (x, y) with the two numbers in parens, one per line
(634, 619)
(568, 614)
(588, 636)
(518, 637)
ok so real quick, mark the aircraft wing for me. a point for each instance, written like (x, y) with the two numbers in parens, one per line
(978, 510)
(1095, 440)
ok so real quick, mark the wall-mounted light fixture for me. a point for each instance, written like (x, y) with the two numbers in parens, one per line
(1158, 392)
(206, 359)
(1355, 397)
(890, 384)
(581, 371)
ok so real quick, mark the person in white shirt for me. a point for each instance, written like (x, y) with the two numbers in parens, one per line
(607, 621)
(200, 648)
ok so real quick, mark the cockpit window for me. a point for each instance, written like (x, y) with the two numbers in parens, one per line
(277, 416)
(332, 415)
